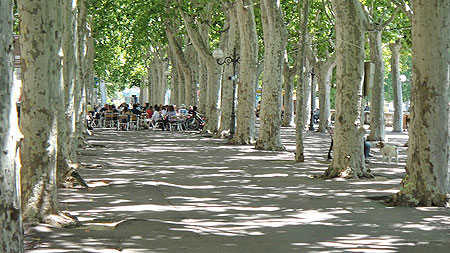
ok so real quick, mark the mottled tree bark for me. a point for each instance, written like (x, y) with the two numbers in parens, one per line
(275, 40)
(66, 157)
(377, 96)
(194, 64)
(212, 115)
(324, 74)
(11, 239)
(427, 180)
(348, 160)
(203, 86)
(232, 43)
(246, 93)
(301, 59)
(288, 101)
(82, 78)
(39, 39)
(396, 86)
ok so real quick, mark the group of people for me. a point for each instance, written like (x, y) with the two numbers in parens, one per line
(165, 114)
(156, 113)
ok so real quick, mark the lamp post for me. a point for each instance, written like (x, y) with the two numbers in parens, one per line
(313, 100)
(234, 59)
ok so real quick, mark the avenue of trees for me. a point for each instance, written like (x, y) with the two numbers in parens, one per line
(283, 46)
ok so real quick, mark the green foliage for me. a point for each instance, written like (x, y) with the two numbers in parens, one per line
(16, 18)
(123, 33)
(321, 27)
(126, 32)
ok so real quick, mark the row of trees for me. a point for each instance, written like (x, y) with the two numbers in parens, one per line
(56, 50)
(137, 38)
(275, 40)
(179, 36)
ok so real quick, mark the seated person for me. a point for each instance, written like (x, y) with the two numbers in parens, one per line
(156, 114)
(170, 114)
(149, 112)
(192, 110)
(135, 110)
(90, 109)
(122, 106)
(182, 111)
(104, 108)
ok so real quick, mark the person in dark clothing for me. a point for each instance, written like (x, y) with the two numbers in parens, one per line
(135, 110)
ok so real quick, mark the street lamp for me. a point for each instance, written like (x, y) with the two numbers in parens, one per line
(313, 100)
(234, 59)
(403, 78)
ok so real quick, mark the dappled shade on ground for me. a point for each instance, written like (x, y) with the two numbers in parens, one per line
(182, 192)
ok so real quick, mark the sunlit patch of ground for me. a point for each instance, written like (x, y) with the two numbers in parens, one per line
(155, 191)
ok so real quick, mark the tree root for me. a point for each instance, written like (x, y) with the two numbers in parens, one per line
(402, 199)
(347, 173)
(61, 220)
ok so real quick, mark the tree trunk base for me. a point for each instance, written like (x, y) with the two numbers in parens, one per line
(263, 146)
(374, 138)
(409, 200)
(347, 173)
(299, 158)
(240, 142)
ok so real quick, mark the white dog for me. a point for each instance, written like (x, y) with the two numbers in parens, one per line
(388, 151)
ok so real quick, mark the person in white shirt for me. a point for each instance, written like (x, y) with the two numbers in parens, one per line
(156, 114)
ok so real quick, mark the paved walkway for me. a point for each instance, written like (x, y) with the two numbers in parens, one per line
(154, 191)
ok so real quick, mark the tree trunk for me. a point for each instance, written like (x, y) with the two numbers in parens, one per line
(154, 82)
(203, 86)
(212, 115)
(80, 94)
(324, 82)
(181, 86)
(427, 180)
(246, 93)
(275, 39)
(11, 239)
(232, 43)
(90, 55)
(157, 79)
(183, 64)
(151, 97)
(162, 79)
(191, 84)
(377, 98)
(174, 82)
(306, 106)
(348, 160)
(396, 86)
(288, 101)
(66, 121)
(39, 39)
(301, 59)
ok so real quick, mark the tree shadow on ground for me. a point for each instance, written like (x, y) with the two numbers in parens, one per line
(181, 192)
